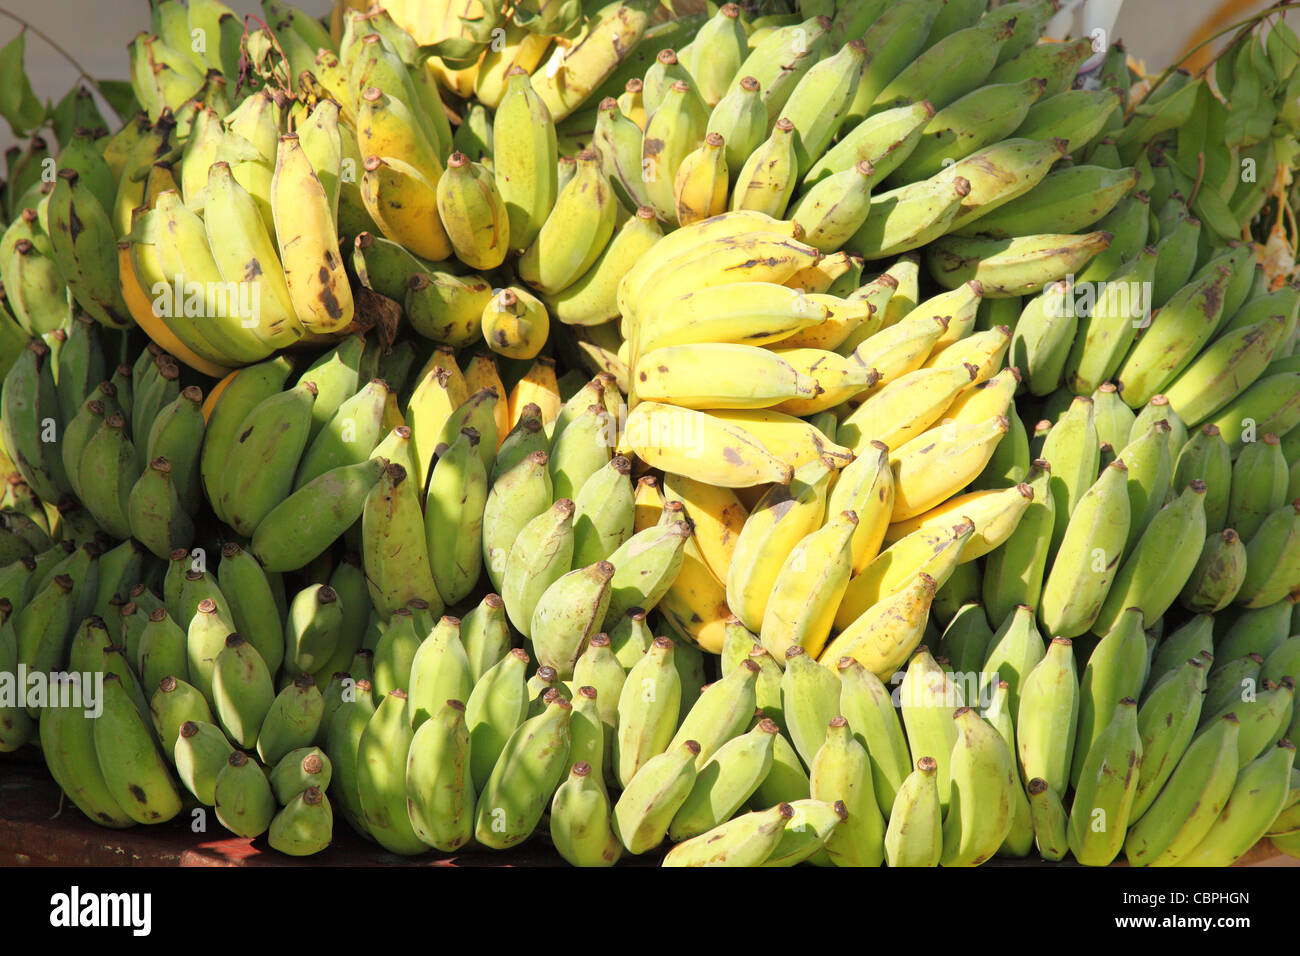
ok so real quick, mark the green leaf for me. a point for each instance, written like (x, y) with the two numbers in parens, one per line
(120, 96)
(18, 104)
(64, 116)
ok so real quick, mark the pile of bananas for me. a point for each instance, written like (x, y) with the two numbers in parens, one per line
(863, 433)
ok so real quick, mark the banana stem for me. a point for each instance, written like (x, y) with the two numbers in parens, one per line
(81, 72)
(1247, 23)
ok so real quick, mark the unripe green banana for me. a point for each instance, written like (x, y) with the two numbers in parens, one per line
(716, 52)
(740, 117)
(156, 516)
(1110, 324)
(909, 217)
(525, 776)
(292, 721)
(381, 767)
(572, 237)
(1187, 321)
(648, 708)
(253, 608)
(1088, 559)
(299, 770)
(1188, 805)
(579, 451)
(568, 613)
(1260, 478)
(1229, 683)
(439, 672)
(133, 770)
(1255, 630)
(242, 691)
(580, 825)
(1159, 409)
(653, 796)
(1218, 574)
(107, 472)
(1050, 820)
(341, 738)
(302, 526)
(242, 797)
(519, 494)
(259, 469)
(205, 638)
(313, 628)
(914, 835)
(725, 781)
(485, 634)
(1149, 473)
(833, 210)
(202, 752)
(1161, 562)
(807, 831)
(1047, 716)
(842, 771)
(645, 566)
(810, 697)
(172, 704)
(394, 550)
(980, 118)
(617, 141)
(497, 705)
(162, 650)
(786, 781)
(1106, 789)
(540, 555)
(1272, 558)
(1071, 449)
(1257, 797)
(746, 840)
(982, 807)
(305, 826)
(439, 795)
(928, 698)
(394, 649)
(1263, 719)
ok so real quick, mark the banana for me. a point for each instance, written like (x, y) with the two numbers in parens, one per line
(909, 217)
(1185, 323)
(242, 797)
(1050, 820)
(404, 204)
(440, 799)
(1009, 267)
(313, 266)
(133, 771)
(1258, 485)
(740, 118)
(865, 487)
(515, 323)
(592, 299)
(1187, 807)
(568, 613)
(700, 182)
(1110, 325)
(930, 467)
(154, 511)
(1257, 797)
(1107, 786)
(313, 628)
(714, 55)
(914, 835)
(246, 256)
(580, 824)
(980, 118)
(202, 752)
(253, 607)
(783, 517)
(575, 71)
(767, 179)
(381, 770)
(453, 517)
(1053, 204)
(648, 706)
(394, 552)
(809, 587)
(1047, 716)
(651, 799)
(983, 781)
(645, 567)
(497, 705)
(242, 691)
(83, 246)
(1089, 557)
(725, 781)
(1162, 561)
(1272, 556)
(1218, 574)
(1113, 673)
(29, 396)
(841, 772)
(1225, 369)
(524, 777)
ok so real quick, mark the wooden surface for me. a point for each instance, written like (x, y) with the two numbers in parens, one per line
(40, 828)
